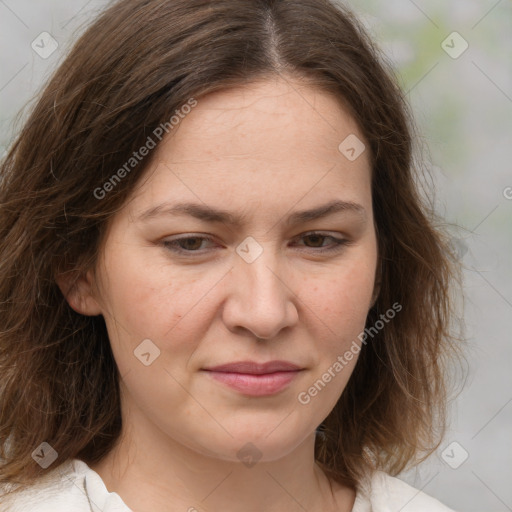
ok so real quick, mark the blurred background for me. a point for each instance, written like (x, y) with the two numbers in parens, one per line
(454, 60)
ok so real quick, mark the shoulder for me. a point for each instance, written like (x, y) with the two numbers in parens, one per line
(71, 486)
(55, 491)
(385, 493)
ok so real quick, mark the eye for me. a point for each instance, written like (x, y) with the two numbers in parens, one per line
(316, 240)
(197, 244)
(187, 244)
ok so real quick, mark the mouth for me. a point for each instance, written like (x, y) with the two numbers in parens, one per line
(255, 379)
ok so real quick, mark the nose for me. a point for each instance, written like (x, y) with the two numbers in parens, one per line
(260, 298)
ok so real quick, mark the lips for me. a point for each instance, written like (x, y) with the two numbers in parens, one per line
(255, 379)
(253, 368)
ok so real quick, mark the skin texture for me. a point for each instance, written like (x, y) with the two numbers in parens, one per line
(263, 151)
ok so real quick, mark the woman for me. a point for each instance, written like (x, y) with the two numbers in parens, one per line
(220, 287)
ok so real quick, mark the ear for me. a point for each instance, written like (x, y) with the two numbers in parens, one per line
(78, 291)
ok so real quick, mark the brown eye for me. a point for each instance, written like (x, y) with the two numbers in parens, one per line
(315, 240)
(318, 241)
(188, 244)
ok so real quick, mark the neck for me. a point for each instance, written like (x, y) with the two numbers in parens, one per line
(158, 474)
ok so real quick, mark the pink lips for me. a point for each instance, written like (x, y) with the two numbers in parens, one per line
(255, 379)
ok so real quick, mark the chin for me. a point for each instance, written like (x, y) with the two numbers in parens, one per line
(267, 443)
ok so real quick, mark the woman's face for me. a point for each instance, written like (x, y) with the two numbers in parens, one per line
(251, 239)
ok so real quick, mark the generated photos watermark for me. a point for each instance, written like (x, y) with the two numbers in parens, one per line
(137, 156)
(304, 397)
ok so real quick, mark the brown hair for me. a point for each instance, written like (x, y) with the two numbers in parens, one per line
(130, 71)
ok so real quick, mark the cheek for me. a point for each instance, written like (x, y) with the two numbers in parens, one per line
(340, 308)
(142, 294)
(150, 300)
(341, 301)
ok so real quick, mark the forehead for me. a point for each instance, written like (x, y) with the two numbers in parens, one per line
(266, 142)
(272, 118)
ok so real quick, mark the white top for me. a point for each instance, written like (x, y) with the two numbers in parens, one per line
(76, 487)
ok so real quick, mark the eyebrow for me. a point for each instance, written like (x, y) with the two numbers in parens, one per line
(208, 214)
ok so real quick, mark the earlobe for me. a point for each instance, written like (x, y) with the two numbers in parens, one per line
(78, 292)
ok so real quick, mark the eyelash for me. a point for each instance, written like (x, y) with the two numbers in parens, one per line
(337, 243)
